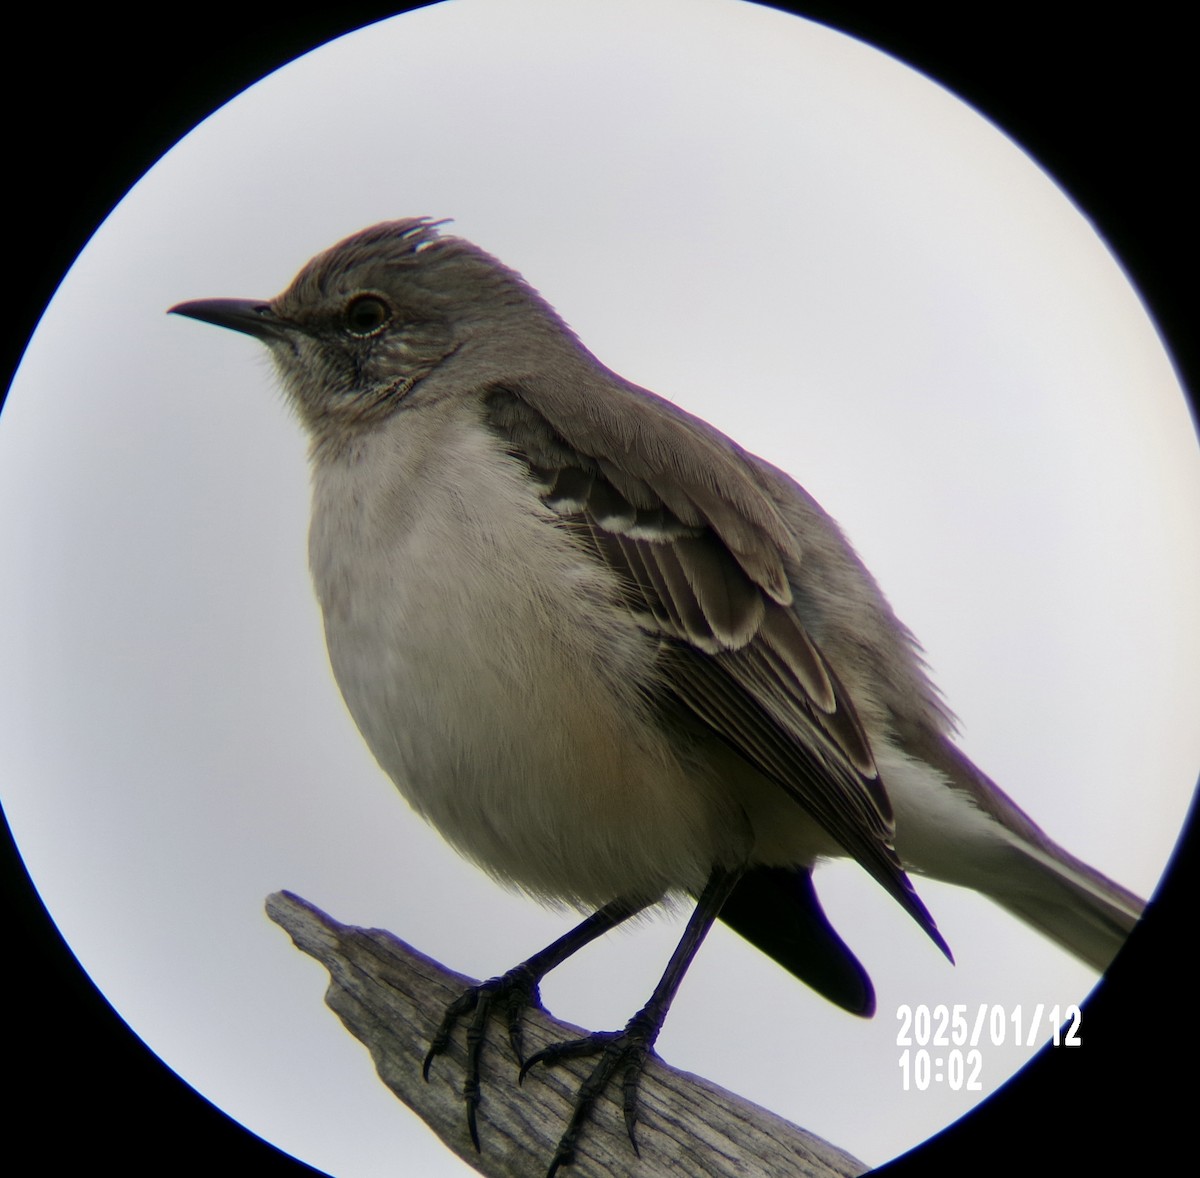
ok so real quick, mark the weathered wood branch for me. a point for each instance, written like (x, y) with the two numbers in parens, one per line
(392, 998)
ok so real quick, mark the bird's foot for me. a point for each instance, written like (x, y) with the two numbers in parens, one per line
(511, 994)
(625, 1051)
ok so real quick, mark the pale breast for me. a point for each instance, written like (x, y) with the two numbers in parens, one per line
(484, 658)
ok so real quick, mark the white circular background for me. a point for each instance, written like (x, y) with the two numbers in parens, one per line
(785, 231)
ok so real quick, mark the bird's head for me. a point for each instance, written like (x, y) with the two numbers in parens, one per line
(365, 324)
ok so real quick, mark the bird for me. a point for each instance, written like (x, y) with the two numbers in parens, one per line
(614, 658)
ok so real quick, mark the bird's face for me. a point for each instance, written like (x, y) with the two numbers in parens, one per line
(350, 349)
(349, 340)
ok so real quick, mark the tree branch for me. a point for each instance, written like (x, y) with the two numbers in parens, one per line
(392, 998)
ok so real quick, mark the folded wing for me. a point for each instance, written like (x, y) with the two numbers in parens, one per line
(670, 507)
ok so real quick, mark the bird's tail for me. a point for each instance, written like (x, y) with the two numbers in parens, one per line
(1073, 904)
(980, 838)
(776, 909)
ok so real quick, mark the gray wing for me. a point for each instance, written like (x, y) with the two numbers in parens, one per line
(670, 506)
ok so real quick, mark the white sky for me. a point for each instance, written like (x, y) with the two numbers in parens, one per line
(785, 231)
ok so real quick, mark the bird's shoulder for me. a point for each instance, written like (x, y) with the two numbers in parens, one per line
(702, 553)
(707, 547)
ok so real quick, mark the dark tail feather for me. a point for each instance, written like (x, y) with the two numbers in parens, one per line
(776, 909)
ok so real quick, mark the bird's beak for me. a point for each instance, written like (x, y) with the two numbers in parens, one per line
(249, 315)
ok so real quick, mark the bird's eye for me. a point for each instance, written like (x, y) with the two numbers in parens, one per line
(366, 315)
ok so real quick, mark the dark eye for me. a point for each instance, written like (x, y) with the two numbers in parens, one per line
(366, 315)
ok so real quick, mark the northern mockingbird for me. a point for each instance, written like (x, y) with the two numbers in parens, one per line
(610, 655)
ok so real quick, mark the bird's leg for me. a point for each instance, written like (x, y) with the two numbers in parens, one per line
(512, 993)
(627, 1050)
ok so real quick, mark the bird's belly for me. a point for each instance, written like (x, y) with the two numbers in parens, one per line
(530, 770)
(506, 696)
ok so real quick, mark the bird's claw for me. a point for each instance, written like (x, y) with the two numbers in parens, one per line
(626, 1051)
(512, 993)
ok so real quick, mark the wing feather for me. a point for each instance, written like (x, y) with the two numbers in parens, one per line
(701, 558)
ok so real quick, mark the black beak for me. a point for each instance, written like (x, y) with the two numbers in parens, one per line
(249, 315)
